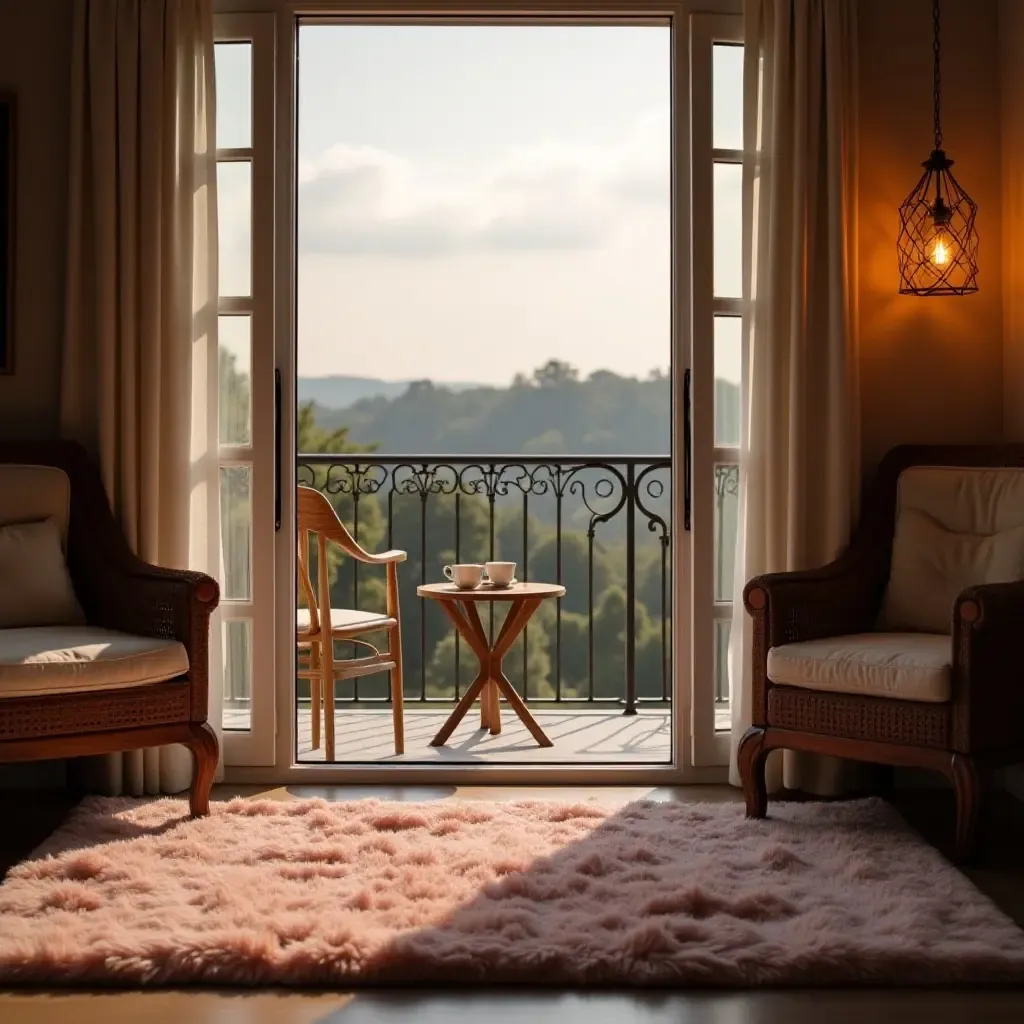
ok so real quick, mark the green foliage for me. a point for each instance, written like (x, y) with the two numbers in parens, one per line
(550, 410)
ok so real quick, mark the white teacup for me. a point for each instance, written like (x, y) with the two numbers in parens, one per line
(501, 574)
(465, 575)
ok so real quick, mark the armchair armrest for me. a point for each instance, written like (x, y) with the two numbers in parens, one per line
(834, 599)
(988, 670)
(840, 597)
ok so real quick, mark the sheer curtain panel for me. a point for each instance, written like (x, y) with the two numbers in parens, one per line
(799, 453)
(139, 377)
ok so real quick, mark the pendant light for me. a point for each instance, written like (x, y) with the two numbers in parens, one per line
(938, 243)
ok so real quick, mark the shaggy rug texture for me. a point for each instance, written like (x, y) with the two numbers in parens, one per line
(473, 893)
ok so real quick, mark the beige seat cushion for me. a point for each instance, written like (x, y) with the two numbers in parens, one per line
(955, 527)
(35, 588)
(51, 660)
(348, 619)
(903, 666)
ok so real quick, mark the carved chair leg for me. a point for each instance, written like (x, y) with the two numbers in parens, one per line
(969, 791)
(205, 753)
(751, 759)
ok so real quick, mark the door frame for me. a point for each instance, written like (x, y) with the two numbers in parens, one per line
(677, 14)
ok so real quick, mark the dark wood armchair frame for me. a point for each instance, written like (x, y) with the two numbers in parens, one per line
(981, 728)
(119, 591)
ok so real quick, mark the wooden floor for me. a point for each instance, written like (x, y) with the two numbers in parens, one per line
(27, 819)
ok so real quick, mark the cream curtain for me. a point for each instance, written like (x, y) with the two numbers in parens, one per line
(799, 458)
(139, 378)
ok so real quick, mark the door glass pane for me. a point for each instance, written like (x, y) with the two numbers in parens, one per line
(728, 240)
(727, 479)
(723, 629)
(236, 532)
(234, 405)
(237, 636)
(727, 96)
(233, 70)
(234, 227)
(728, 359)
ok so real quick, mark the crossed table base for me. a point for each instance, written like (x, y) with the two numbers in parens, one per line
(491, 682)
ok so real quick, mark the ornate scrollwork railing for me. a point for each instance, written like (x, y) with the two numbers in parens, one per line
(599, 525)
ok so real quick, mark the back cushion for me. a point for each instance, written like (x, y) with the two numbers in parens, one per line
(32, 493)
(35, 588)
(955, 527)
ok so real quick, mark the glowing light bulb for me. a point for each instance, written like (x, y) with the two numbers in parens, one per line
(940, 252)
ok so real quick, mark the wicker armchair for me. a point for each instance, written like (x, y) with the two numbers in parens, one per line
(117, 592)
(973, 724)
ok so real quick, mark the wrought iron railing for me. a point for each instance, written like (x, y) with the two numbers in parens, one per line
(599, 525)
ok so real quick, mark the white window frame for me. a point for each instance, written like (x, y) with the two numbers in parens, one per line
(287, 12)
(709, 747)
(255, 746)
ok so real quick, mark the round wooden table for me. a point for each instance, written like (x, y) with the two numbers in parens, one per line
(461, 607)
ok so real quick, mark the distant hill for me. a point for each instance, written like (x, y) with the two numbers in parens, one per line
(340, 392)
(551, 413)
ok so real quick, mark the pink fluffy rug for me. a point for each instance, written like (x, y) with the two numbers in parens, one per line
(473, 893)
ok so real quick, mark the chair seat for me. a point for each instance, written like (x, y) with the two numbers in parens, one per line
(349, 621)
(901, 666)
(50, 660)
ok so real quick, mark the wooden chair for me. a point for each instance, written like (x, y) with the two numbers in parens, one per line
(135, 673)
(318, 625)
(901, 652)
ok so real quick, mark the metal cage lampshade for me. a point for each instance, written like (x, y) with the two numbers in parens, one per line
(938, 240)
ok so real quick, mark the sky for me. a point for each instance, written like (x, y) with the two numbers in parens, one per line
(476, 200)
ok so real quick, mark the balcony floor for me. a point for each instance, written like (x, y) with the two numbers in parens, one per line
(580, 736)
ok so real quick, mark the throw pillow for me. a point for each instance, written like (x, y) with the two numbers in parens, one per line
(35, 587)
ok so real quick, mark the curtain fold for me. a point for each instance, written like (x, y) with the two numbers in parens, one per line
(139, 375)
(800, 440)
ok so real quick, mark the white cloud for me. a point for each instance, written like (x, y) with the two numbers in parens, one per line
(361, 200)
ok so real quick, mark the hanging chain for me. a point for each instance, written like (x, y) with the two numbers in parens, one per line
(937, 82)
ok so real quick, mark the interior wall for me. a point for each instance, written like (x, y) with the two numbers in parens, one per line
(35, 54)
(931, 368)
(1011, 39)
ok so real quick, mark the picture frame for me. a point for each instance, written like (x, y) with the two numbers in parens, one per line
(8, 123)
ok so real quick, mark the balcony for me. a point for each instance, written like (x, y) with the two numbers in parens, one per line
(595, 668)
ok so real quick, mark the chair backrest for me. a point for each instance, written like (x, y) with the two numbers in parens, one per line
(956, 523)
(316, 516)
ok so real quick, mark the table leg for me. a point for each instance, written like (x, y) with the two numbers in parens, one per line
(475, 690)
(491, 681)
(490, 710)
(515, 622)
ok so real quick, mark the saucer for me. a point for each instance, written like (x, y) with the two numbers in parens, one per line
(499, 586)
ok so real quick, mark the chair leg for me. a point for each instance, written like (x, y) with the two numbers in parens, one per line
(205, 754)
(969, 791)
(315, 696)
(397, 689)
(327, 685)
(751, 758)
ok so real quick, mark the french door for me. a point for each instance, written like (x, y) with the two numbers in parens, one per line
(244, 56)
(257, 76)
(716, 167)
